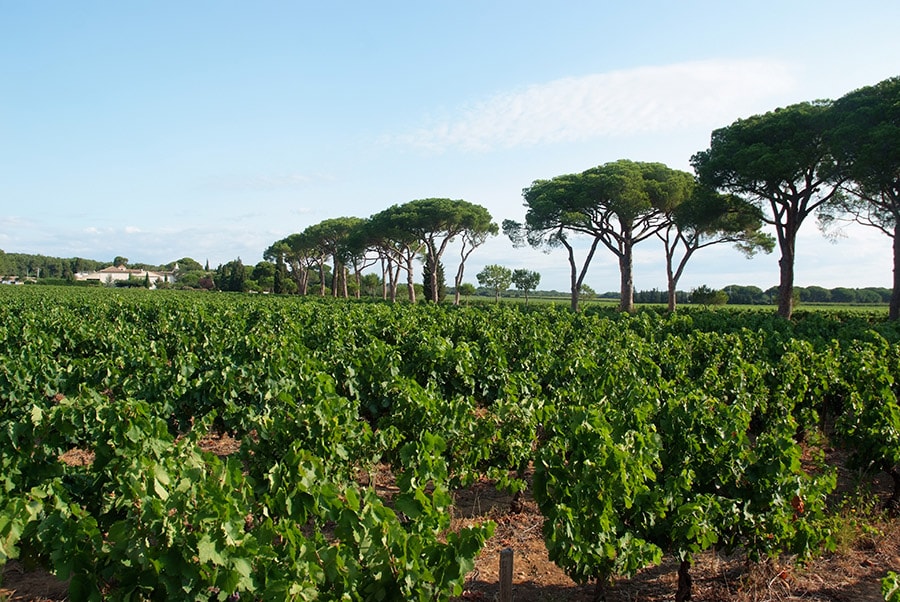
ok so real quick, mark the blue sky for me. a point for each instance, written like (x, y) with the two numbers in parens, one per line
(212, 129)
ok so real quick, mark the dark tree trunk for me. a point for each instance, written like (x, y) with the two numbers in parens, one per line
(786, 284)
(515, 504)
(626, 269)
(431, 266)
(684, 582)
(573, 271)
(600, 589)
(410, 280)
(671, 293)
(671, 278)
(578, 280)
(345, 292)
(893, 503)
(894, 312)
(458, 281)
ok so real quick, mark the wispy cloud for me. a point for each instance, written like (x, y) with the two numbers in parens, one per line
(270, 181)
(618, 103)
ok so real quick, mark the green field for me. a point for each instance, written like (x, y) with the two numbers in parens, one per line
(646, 434)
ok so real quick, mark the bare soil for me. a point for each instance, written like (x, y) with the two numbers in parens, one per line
(868, 547)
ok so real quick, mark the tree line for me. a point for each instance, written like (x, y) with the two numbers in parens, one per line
(493, 280)
(25, 265)
(392, 239)
(737, 294)
(838, 159)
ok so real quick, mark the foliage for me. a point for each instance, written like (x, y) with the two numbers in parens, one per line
(890, 587)
(618, 204)
(428, 281)
(782, 161)
(676, 434)
(23, 264)
(496, 278)
(707, 218)
(466, 288)
(155, 518)
(435, 222)
(703, 295)
(526, 280)
(869, 418)
(863, 137)
(232, 276)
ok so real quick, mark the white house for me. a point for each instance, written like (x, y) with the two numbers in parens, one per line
(112, 274)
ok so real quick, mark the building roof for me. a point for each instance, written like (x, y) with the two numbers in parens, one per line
(119, 269)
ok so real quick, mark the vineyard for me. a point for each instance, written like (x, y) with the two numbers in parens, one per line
(639, 437)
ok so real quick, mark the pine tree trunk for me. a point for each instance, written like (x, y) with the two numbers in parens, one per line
(786, 269)
(626, 269)
(410, 280)
(458, 281)
(671, 295)
(894, 312)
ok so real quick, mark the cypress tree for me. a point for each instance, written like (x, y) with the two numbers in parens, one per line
(442, 283)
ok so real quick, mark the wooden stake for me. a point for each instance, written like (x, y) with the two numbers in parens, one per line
(506, 573)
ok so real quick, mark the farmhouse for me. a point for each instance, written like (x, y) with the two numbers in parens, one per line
(112, 274)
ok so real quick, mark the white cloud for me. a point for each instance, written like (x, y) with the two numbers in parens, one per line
(132, 230)
(13, 221)
(267, 182)
(636, 101)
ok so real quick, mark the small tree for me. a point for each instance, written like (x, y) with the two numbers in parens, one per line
(708, 218)
(466, 288)
(495, 277)
(281, 278)
(231, 277)
(206, 282)
(428, 281)
(264, 274)
(703, 295)
(526, 280)
(185, 264)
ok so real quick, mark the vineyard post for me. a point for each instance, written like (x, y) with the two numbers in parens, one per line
(506, 573)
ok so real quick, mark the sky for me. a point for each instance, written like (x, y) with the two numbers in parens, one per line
(211, 129)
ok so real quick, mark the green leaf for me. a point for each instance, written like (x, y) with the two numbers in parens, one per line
(208, 552)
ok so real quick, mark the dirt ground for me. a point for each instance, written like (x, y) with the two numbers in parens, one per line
(868, 547)
(852, 573)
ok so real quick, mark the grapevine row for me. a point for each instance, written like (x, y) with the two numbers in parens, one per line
(648, 434)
